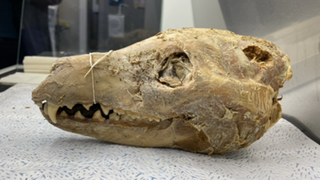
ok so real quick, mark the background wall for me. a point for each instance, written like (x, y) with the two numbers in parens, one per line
(208, 14)
(176, 14)
(191, 13)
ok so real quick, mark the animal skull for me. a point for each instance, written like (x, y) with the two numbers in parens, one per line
(201, 90)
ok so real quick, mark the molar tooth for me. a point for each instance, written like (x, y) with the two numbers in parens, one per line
(79, 115)
(97, 116)
(105, 109)
(52, 112)
(114, 116)
(63, 114)
(134, 115)
(87, 106)
(153, 119)
(158, 120)
(126, 117)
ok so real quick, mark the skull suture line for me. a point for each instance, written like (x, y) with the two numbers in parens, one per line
(202, 90)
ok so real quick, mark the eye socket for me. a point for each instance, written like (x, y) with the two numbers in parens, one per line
(175, 69)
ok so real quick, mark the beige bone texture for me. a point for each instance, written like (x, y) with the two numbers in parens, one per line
(201, 90)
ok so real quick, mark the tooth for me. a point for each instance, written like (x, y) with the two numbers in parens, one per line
(70, 106)
(79, 115)
(45, 108)
(97, 116)
(158, 120)
(126, 117)
(52, 112)
(105, 109)
(151, 118)
(87, 106)
(63, 114)
(114, 116)
(134, 115)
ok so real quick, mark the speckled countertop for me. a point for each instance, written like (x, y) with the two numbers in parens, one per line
(31, 148)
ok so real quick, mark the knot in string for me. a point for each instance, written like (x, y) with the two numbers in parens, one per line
(91, 70)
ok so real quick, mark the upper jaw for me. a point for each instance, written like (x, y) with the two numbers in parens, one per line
(68, 85)
(66, 93)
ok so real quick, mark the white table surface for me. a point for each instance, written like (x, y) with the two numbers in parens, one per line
(31, 148)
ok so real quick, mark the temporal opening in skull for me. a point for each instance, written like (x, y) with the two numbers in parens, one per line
(175, 69)
(257, 54)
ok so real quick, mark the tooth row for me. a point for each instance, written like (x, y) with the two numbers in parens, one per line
(131, 115)
(51, 110)
(97, 116)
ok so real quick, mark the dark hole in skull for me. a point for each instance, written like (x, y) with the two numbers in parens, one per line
(257, 54)
(175, 69)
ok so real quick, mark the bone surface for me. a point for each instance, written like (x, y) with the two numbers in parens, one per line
(201, 90)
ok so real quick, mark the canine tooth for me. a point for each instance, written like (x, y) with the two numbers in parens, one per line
(97, 116)
(45, 108)
(79, 115)
(87, 106)
(63, 114)
(52, 112)
(114, 116)
(105, 109)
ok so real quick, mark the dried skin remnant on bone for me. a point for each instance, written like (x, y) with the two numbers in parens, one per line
(201, 90)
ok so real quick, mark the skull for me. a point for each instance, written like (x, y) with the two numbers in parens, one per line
(201, 90)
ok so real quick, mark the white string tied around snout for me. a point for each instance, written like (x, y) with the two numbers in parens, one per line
(91, 69)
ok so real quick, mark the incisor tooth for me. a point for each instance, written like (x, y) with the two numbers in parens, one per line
(87, 106)
(105, 109)
(52, 112)
(79, 115)
(114, 116)
(97, 116)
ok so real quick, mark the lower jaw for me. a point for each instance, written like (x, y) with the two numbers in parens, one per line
(152, 134)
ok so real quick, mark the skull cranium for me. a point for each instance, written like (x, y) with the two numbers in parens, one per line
(202, 90)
